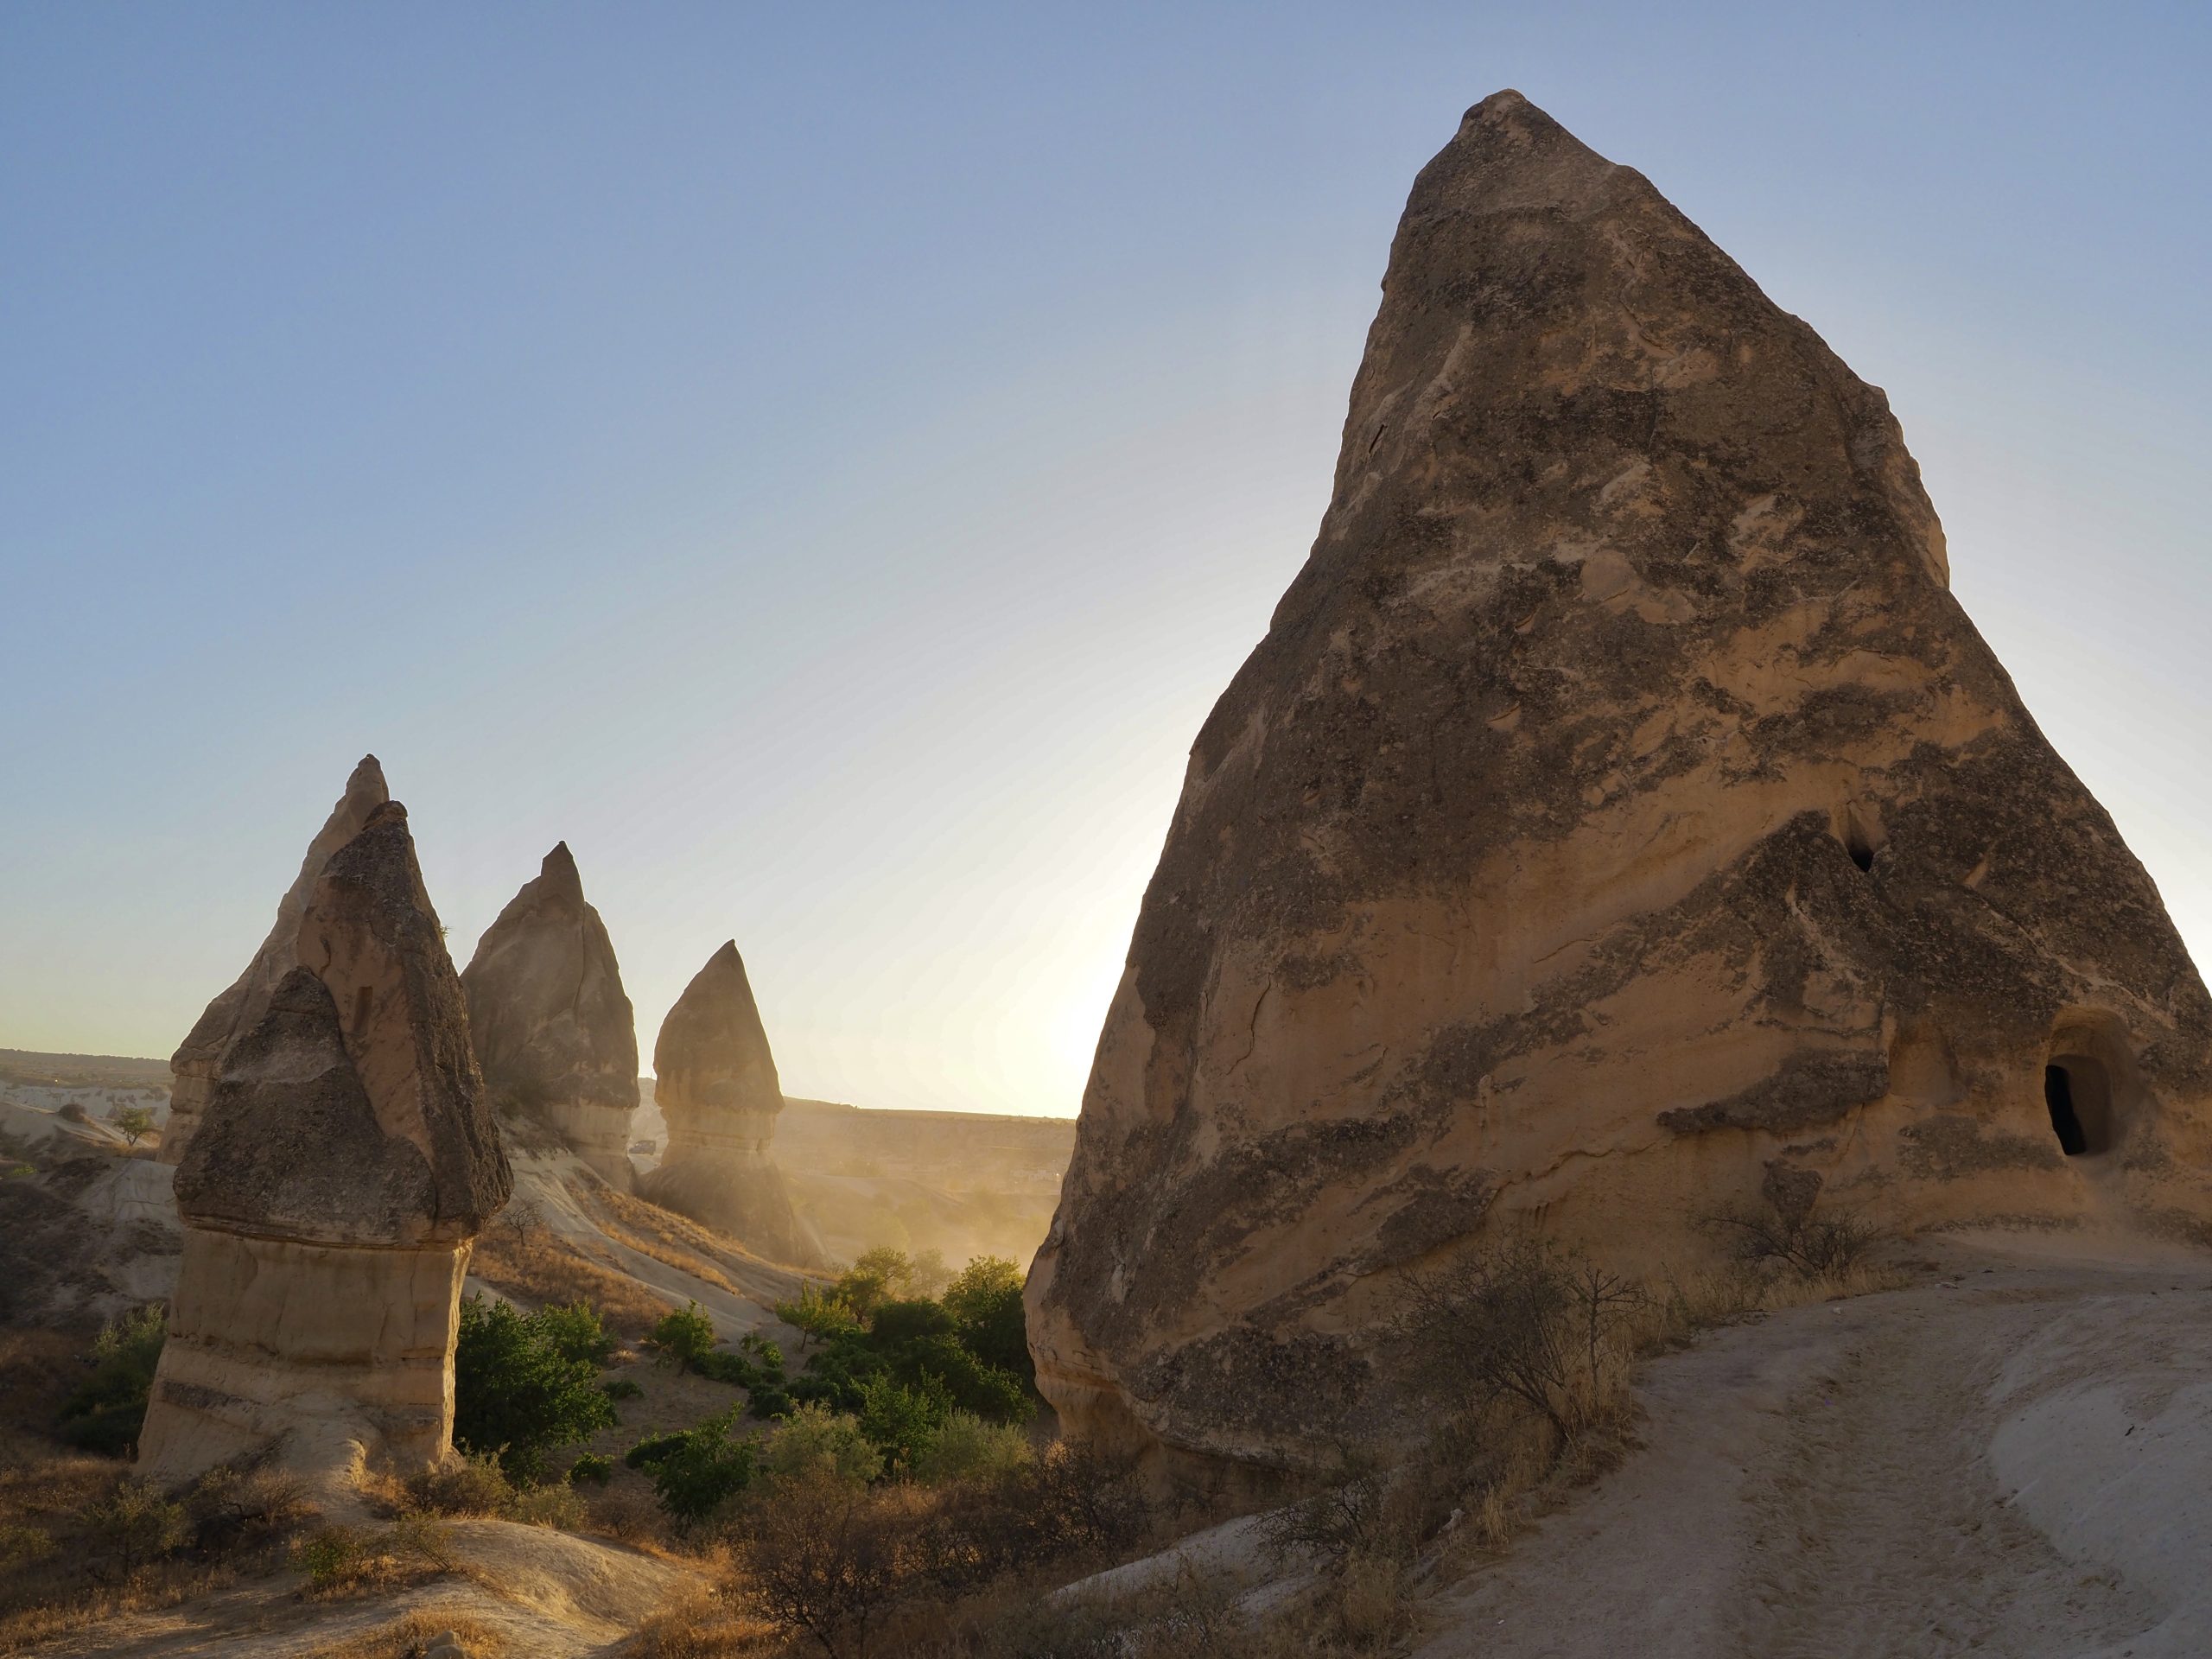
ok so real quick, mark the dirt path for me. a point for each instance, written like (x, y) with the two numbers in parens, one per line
(2015, 1462)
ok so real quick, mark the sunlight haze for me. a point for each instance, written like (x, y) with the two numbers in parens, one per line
(824, 466)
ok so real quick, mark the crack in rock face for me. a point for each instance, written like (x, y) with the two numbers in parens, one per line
(1619, 807)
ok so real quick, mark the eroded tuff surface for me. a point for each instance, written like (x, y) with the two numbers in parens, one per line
(553, 1028)
(1619, 803)
(715, 1079)
(344, 1160)
(198, 1059)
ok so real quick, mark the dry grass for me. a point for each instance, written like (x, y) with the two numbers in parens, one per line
(703, 1625)
(411, 1635)
(676, 1240)
(542, 1268)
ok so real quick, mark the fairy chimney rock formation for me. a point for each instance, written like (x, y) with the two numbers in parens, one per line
(344, 1159)
(199, 1059)
(715, 1082)
(554, 1033)
(1618, 804)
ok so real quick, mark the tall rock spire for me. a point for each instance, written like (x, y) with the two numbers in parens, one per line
(715, 1081)
(553, 1028)
(1619, 804)
(199, 1059)
(344, 1159)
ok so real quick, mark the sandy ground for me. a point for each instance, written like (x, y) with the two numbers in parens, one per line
(2015, 1461)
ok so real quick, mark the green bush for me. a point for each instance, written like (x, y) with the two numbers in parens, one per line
(696, 1471)
(464, 1483)
(108, 1409)
(816, 1441)
(516, 1394)
(575, 1333)
(620, 1387)
(328, 1554)
(135, 1524)
(685, 1336)
(593, 1467)
(902, 1422)
(965, 1447)
(561, 1507)
(985, 1301)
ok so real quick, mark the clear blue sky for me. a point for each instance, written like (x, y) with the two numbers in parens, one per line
(824, 461)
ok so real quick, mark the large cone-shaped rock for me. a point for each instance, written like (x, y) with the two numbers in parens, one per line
(715, 1082)
(1618, 803)
(199, 1060)
(554, 1035)
(344, 1160)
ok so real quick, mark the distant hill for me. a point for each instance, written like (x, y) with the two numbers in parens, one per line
(82, 1070)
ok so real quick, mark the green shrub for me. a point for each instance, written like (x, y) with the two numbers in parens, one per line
(575, 1333)
(328, 1554)
(19, 1546)
(985, 1301)
(902, 1422)
(816, 1441)
(108, 1409)
(697, 1472)
(965, 1447)
(549, 1506)
(464, 1483)
(593, 1467)
(620, 1387)
(135, 1524)
(821, 1315)
(516, 1394)
(685, 1337)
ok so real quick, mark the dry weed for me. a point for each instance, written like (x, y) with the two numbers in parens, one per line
(544, 1268)
(412, 1634)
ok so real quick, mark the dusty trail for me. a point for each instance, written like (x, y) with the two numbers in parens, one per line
(2014, 1462)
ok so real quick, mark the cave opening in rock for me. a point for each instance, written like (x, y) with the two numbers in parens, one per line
(2079, 1096)
(1862, 853)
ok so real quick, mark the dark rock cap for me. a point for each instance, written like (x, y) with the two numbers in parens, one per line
(425, 1163)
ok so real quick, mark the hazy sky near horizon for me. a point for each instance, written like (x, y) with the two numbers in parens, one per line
(824, 462)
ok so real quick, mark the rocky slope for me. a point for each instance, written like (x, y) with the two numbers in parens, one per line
(1619, 804)
(553, 1030)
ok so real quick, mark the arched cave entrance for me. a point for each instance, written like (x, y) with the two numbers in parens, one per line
(2077, 1090)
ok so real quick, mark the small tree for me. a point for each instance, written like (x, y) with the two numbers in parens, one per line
(107, 1411)
(135, 1122)
(985, 1301)
(696, 1472)
(516, 1395)
(135, 1524)
(815, 1441)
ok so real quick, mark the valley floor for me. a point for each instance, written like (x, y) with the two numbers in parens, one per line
(2014, 1461)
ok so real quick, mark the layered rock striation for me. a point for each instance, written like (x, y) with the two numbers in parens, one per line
(344, 1159)
(715, 1082)
(553, 1029)
(199, 1060)
(1620, 817)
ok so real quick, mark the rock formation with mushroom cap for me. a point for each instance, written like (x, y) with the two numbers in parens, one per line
(199, 1060)
(715, 1082)
(554, 1035)
(344, 1160)
(1619, 818)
